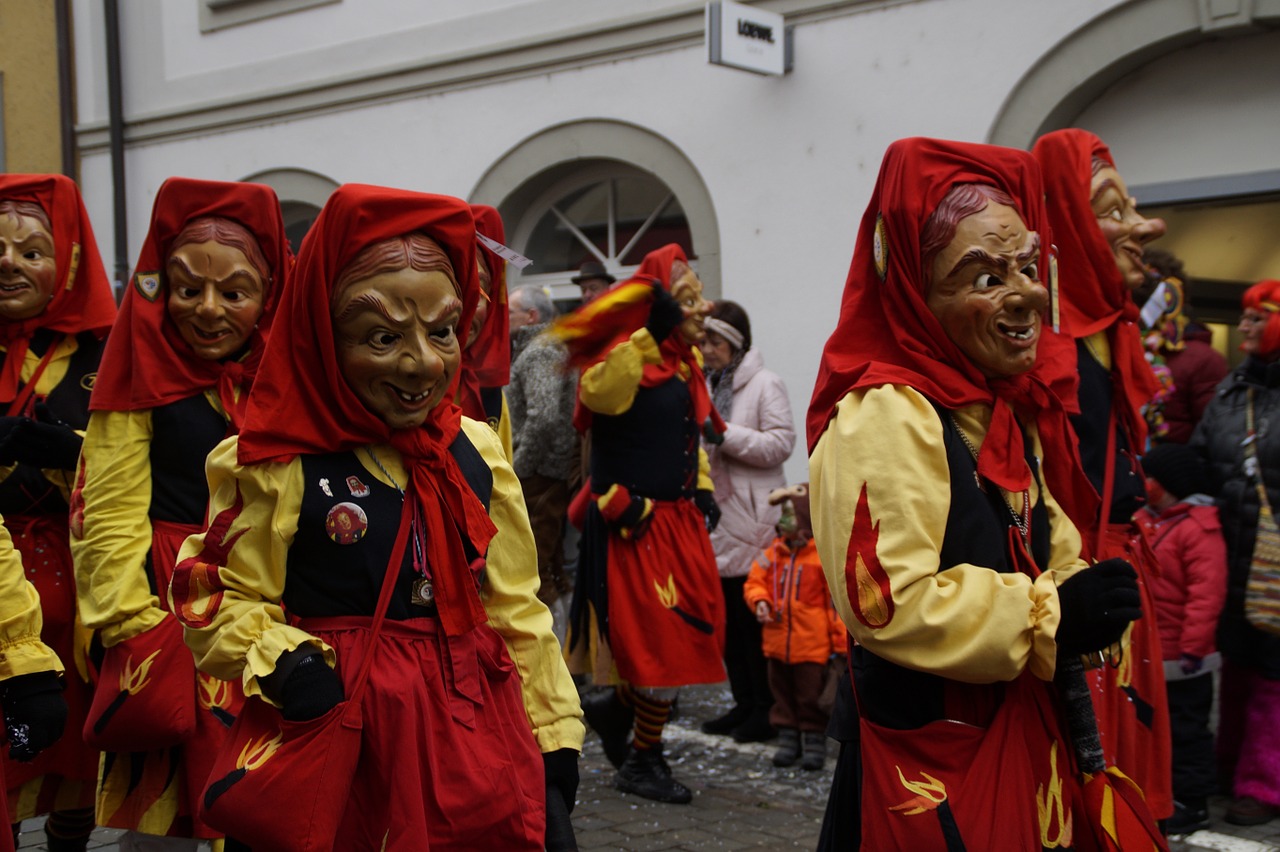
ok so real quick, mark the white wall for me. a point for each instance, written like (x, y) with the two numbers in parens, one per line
(789, 162)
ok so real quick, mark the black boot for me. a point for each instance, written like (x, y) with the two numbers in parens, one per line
(788, 747)
(726, 723)
(814, 750)
(645, 773)
(612, 720)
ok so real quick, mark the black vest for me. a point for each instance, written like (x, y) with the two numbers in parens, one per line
(1096, 399)
(26, 491)
(977, 531)
(326, 578)
(651, 448)
(183, 435)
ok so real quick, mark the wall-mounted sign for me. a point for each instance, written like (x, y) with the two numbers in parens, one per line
(745, 37)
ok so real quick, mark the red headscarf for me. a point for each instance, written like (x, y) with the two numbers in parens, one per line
(1093, 293)
(82, 297)
(629, 316)
(487, 362)
(148, 364)
(302, 404)
(886, 333)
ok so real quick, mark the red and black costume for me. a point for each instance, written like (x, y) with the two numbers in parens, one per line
(656, 595)
(49, 365)
(159, 409)
(463, 694)
(1100, 318)
(942, 544)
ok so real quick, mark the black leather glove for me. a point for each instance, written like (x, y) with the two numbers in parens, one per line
(44, 442)
(561, 770)
(310, 690)
(1097, 605)
(34, 713)
(664, 314)
(706, 503)
(710, 435)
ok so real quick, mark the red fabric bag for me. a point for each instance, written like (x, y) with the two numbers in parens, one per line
(145, 697)
(312, 763)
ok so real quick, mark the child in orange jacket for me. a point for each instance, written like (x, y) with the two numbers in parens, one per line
(802, 632)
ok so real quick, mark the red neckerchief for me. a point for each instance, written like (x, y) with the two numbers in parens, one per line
(82, 297)
(1093, 294)
(302, 405)
(886, 333)
(148, 364)
(487, 362)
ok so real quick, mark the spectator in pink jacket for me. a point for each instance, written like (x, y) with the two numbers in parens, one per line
(745, 467)
(1189, 592)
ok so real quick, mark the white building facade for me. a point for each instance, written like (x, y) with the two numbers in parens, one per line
(599, 129)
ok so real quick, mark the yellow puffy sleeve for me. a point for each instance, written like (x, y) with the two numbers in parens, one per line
(610, 386)
(21, 651)
(110, 544)
(230, 578)
(881, 495)
(511, 600)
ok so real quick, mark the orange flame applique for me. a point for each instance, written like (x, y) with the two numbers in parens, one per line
(213, 692)
(667, 594)
(929, 793)
(866, 581)
(1050, 810)
(134, 680)
(196, 588)
(258, 751)
(1124, 664)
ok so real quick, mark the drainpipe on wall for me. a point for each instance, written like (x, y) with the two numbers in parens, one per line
(115, 110)
(66, 88)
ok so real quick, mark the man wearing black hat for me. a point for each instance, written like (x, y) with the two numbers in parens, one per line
(594, 279)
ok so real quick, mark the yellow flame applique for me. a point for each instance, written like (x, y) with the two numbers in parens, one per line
(213, 692)
(667, 595)
(1050, 810)
(929, 793)
(258, 751)
(133, 680)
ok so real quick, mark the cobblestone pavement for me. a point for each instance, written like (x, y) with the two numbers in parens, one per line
(741, 801)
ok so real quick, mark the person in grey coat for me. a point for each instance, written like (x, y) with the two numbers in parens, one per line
(540, 398)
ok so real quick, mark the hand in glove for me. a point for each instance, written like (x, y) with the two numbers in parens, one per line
(664, 314)
(1097, 605)
(310, 690)
(627, 514)
(561, 770)
(710, 435)
(706, 503)
(34, 713)
(44, 442)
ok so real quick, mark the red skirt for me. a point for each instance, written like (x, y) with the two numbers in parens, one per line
(1129, 693)
(448, 760)
(69, 767)
(666, 608)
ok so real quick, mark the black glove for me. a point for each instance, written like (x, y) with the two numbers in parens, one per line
(710, 435)
(1097, 605)
(664, 314)
(706, 503)
(44, 442)
(34, 713)
(561, 770)
(310, 690)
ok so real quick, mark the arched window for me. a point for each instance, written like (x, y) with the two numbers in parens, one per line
(603, 191)
(301, 194)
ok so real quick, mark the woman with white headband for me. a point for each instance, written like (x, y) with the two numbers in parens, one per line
(745, 468)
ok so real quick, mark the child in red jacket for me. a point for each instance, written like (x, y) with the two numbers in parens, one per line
(1189, 592)
(802, 632)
